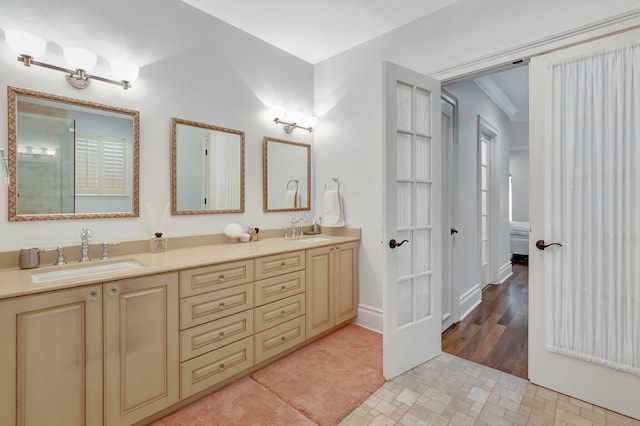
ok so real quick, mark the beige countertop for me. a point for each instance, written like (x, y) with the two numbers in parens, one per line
(16, 282)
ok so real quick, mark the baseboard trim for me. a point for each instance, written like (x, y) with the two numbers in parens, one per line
(469, 300)
(370, 317)
(505, 272)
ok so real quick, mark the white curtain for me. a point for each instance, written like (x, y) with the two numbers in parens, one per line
(592, 281)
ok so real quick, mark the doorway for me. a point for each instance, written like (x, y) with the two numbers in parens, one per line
(492, 290)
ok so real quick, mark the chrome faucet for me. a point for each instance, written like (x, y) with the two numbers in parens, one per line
(295, 222)
(85, 236)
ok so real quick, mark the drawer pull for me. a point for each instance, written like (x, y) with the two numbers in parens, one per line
(283, 288)
(221, 335)
(221, 277)
(283, 312)
(283, 264)
(222, 365)
(283, 339)
(221, 305)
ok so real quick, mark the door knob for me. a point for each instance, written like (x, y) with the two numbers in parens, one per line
(454, 231)
(540, 245)
(393, 244)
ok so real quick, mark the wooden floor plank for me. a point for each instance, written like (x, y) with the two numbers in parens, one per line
(495, 333)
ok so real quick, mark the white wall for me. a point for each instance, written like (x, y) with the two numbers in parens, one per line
(193, 66)
(349, 100)
(472, 101)
(519, 170)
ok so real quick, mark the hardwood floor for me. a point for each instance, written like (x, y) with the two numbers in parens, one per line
(495, 333)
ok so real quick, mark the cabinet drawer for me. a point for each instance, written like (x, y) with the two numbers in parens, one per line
(277, 288)
(196, 310)
(204, 371)
(278, 339)
(215, 277)
(278, 264)
(215, 334)
(276, 313)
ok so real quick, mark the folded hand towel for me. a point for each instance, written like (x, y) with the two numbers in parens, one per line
(333, 214)
(290, 199)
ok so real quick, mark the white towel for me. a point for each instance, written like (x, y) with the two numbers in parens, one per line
(290, 199)
(333, 214)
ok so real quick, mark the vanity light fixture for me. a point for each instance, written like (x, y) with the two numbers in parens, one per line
(28, 47)
(291, 120)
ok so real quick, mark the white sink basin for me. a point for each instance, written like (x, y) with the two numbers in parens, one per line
(311, 240)
(83, 270)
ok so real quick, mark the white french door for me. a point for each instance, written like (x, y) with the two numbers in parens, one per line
(603, 386)
(412, 223)
(487, 133)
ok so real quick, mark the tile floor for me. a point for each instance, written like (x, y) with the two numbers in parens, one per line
(453, 391)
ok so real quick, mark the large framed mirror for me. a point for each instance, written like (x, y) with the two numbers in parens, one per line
(71, 159)
(287, 175)
(207, 169)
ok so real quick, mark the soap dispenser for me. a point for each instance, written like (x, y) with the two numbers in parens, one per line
(158, 243)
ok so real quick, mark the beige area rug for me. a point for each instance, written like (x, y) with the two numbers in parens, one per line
(318, 384)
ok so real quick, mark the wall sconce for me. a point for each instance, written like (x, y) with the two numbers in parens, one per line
(28, 47)
(291, 120)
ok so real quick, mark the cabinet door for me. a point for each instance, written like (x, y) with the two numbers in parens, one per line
(141, 347)
(346, 282)
(51, 358)
(319, 290)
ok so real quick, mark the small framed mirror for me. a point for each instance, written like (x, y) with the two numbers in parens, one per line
(287, 175)
(207, 169)
(71, 159)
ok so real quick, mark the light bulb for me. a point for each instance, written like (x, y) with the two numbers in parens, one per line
(276, 111)
(79, 58)
(293, 117)
(124, 71)
(309, 121)
(25, 44)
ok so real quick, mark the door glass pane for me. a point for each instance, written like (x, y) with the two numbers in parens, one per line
(405, 302)
(484, 204)
(404, 156)
(423, 296)
(404, 205)
(485, 228)
(404, 97)
(423, 204)
(484, 152)
(484, 171)
(423, 112)
(423, 158)
(422, 247)
(405, 255)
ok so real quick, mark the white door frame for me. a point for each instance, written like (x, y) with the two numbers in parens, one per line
(450, 314)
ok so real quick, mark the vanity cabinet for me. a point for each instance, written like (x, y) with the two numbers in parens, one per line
(279, 316)
(216, 324)
(141, 347)
(51, 358)
(331, 296)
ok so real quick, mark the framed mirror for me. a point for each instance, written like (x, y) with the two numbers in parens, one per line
(207, 169)
(287, 175)
(71, 159)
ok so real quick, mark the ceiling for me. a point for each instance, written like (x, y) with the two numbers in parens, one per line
(314, 31)
(317, 30)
